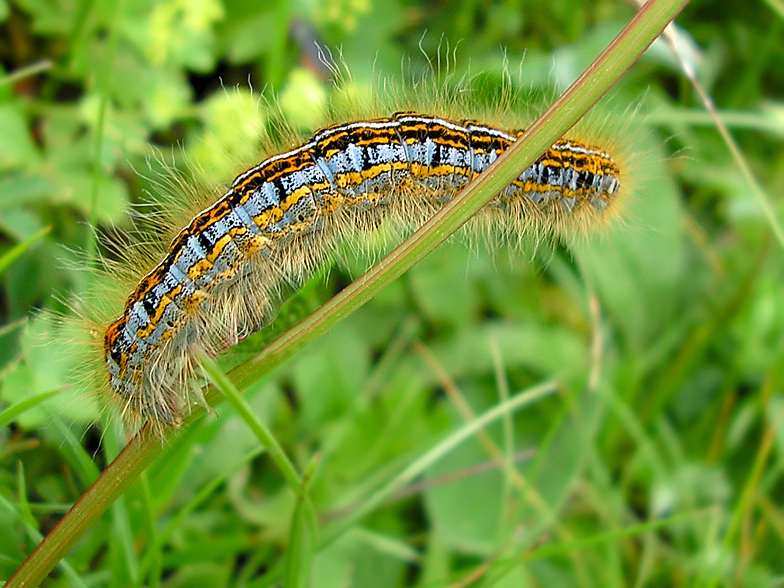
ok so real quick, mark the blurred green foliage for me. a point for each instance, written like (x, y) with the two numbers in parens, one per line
(666, 470)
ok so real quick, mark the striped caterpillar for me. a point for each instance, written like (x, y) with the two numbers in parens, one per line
(221, 277)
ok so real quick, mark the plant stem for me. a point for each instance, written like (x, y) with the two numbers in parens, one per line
(627, 47)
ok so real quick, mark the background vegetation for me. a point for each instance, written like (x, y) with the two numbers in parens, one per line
(658, 462)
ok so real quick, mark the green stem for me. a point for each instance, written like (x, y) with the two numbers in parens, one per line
(631, 42)
(263, 434)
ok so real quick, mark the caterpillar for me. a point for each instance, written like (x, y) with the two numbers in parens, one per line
(221, 277)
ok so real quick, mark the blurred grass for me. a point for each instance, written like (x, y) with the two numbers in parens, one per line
(684, 445)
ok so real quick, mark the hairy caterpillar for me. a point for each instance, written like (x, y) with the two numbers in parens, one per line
(221, 276)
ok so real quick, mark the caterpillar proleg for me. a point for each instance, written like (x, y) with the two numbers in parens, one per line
(220, 278)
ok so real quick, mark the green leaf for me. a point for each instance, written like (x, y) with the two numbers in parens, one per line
(17, 149)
